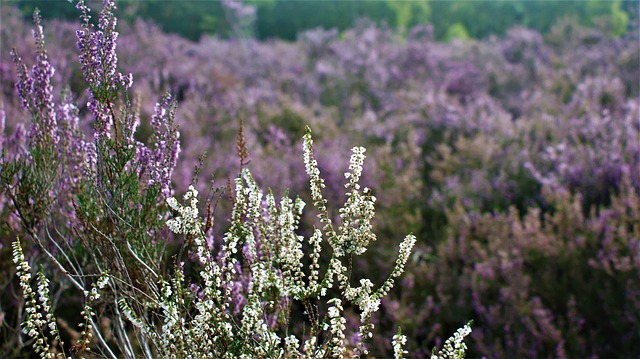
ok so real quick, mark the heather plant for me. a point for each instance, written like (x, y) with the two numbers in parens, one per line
(99, 213)
(90, 207)
(248, 287)
(544, 282)
(452, 130)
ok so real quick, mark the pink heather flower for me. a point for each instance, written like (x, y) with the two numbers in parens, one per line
(25, 82)
(73, 146)
(36, 91)
(166, 145)
(99, 61)
(2, 124)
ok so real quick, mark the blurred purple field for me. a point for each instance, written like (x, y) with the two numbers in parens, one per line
(515, 161)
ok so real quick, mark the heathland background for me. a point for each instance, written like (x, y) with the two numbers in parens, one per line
(504, 134)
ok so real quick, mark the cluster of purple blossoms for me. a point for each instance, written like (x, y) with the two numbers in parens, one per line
(54, 126)
(99, 61)
(164, 156)
(35, 90)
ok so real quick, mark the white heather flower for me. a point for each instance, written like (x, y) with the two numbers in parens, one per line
(310, 348)
(311, 166)
(130, 316)
(355, 165)
(316, 183)
(187, 222)
(454, 347)
(97, 286)
(403, 256)
(45, 299)
(314, 274)
(399, 340)
(336, 326)
(34, 325)
(356, 231)
(291, 344)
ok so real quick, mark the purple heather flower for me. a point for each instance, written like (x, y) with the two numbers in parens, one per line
(36, 91)
(143, 157)
(42, 74)
(2, 124)
(73, 146)
(25, 82)
(99, 60)
(166, 145)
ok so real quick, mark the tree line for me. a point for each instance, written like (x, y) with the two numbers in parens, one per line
(284, 19)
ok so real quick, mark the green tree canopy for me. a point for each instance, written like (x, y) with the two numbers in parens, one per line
(284, 19)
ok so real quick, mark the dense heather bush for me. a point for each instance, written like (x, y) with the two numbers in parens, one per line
(513, 132)
(556, 285)
(98, 212)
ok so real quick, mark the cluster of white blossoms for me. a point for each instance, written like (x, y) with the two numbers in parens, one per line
(454, 347)
(87, 312)
(187, 222)
(336, 326)
(356, 231)
(399, 340)
(43, 328)
(34, 323)
(262, 257)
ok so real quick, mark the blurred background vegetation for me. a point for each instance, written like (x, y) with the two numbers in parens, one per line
(284, 19)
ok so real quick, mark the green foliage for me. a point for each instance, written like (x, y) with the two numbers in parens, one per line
(480, 18)
(30, 184)
(483, 18)
(188, 18)
(608, 15)
(456, 31)
(284, 19)
(409, 13)
(50, 9)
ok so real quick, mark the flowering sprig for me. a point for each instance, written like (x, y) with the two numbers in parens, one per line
(34, 325)
(87, 328)
(45, 299)
(263, 251)
(336, 327)
(399, 340)
(355, 231)
(40, 319)
(187, 222)
(36, 91)
(454, 347)
(316, 182)
(166, 142)
(99, 61)
(98, 52)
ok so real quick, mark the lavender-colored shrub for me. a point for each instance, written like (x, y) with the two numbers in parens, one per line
(453, 131)
(148, 275)
(538, 285)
